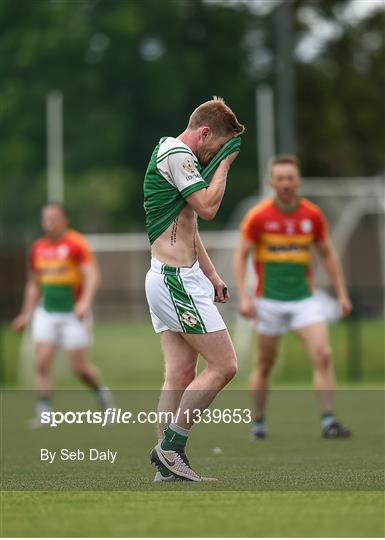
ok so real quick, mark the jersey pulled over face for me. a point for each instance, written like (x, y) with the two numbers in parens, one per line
(171, 176)
(282, 257)
(57, 266)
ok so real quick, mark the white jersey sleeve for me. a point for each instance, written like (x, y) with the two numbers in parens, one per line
(178, 165)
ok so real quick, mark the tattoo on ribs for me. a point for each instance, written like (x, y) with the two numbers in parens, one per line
(174, 229)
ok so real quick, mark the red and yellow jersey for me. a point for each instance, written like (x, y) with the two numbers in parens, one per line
(282, 257)
(57, 266)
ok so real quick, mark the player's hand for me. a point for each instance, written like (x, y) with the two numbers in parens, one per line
(20, 322)
(345, 305)
(81, 309)
(247, 308)
(229, 159)
(221, 292)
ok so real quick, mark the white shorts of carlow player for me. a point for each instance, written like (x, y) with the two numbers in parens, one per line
(181, 300)
(276, 317)
(63, 329)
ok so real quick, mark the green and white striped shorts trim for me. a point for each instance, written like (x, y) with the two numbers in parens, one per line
(181, 300)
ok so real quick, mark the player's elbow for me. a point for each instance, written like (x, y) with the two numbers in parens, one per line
(326, 256)
(203, 205)
(241, 254)
(93, 276)
(208, 213)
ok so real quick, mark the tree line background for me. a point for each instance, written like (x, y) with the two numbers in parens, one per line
(132, 71)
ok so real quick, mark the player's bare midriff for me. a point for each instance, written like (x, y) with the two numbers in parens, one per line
(177, 245)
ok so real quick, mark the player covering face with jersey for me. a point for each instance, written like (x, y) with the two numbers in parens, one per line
(186, 178)
(278, 233)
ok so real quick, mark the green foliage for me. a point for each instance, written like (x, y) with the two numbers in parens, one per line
(340, 99)
(133, 71)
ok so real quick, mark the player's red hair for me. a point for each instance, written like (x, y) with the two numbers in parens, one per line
(216, 115)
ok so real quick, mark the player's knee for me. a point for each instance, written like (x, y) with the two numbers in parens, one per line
(79, 368)
(42, 367)
(265, 371)
(230, 370)
(322, 355)
(181, 380)
(265, 365)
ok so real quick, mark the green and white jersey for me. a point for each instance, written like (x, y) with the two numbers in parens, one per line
(171, 176)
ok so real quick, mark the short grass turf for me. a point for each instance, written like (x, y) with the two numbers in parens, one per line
(129, 357)
(353, 514)
(293, 457)
(335, 486)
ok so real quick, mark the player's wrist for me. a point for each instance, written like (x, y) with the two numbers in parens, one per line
(213, 276)
(224, 166)
(83, 304)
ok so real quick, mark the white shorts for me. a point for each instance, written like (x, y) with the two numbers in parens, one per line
(181, 300)
(276, 317)
(61, 329)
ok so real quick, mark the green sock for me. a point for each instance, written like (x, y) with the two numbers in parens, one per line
(327, 418)
(43, 404)
(173, 440)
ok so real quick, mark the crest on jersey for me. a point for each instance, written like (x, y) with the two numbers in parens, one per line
(62, 251)
(290, 226)
(188, 164)
(272, 226)
(306, 225)
(189, 318)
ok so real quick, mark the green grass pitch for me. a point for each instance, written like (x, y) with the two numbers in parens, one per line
(194, 514)
(292, 484)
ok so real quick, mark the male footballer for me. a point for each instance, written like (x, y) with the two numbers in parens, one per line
(182, 283)
(58, 295)
(278, 233)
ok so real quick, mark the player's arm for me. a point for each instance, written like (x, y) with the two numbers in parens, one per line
(246, 304)
(205, 263)
(30, 300)
(91, 282)
(332, 264)
(206, 201)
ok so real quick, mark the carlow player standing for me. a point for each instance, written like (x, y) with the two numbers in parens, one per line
(58, 296)
(279, 233)
(182, 282)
